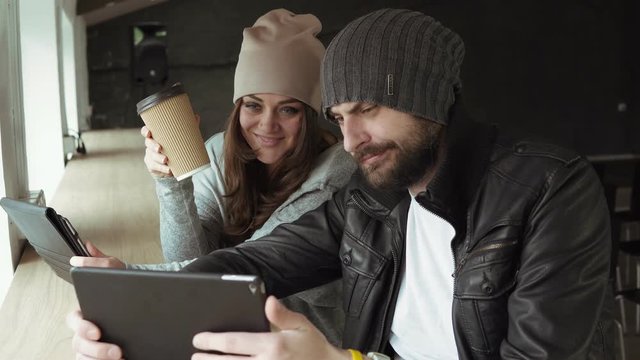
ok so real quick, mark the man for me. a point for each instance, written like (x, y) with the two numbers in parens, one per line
(452, 242)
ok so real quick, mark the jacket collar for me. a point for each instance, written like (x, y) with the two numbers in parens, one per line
(468, 146)
(378, 201)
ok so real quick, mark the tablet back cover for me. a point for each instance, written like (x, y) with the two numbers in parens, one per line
(45, 238)
(154, 315)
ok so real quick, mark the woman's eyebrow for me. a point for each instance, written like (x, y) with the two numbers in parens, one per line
(288, 101)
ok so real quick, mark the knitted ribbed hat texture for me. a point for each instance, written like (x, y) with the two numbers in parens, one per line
(401, 59)
(280, 54)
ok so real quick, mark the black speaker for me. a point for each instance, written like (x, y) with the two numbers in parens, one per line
(149, 62)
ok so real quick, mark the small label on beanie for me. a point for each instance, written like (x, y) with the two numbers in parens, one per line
(389, 84)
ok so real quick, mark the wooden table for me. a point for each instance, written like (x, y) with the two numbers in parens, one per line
(110, 198)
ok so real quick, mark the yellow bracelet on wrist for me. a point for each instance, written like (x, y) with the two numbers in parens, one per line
(355, 354)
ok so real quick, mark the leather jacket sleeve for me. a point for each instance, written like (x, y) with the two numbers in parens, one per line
(564, 267)
(294, 257)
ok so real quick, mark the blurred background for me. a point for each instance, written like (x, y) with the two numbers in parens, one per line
(567, 71)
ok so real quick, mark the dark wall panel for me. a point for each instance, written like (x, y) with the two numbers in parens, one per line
(557, 70)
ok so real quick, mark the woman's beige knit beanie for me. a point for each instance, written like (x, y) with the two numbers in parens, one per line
(280, 54)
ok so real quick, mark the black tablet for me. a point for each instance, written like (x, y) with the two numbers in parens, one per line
(155, 314)
(51, 235)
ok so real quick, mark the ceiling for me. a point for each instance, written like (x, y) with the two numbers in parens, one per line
(97, 11)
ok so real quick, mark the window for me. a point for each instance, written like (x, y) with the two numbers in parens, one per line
(13, 172)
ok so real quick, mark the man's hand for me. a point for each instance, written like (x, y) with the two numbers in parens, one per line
(85, 340)
(97, 259)
(296, 339)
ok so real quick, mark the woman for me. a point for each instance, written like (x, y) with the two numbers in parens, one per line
(271, 165)
(271, 154)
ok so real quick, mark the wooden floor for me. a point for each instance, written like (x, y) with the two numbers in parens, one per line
(109, 197)
(111, 194)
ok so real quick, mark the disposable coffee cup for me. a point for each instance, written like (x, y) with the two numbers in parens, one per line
(170, 118)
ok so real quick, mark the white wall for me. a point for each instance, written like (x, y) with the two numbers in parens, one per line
(43, 108)
(13, 175)
(68, 59)
(75, 71)
(42, 59)
(82, 72)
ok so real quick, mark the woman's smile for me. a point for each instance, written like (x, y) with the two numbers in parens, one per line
(268, 140)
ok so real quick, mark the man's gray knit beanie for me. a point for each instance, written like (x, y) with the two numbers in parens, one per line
(401, 59)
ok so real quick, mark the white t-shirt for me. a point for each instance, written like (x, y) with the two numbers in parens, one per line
(422, 324)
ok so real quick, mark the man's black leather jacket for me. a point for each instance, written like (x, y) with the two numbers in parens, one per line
(531, 251)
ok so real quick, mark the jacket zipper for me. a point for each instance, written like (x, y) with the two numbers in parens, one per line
(358, 201)
(484, 248)
(388, 302)
(455, 266)
(495, 246)
(453, 254)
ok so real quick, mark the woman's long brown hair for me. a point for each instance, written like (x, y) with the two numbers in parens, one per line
(253, 194)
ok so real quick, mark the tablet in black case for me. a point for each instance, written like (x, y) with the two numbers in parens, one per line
(51, 235)
(155, 314)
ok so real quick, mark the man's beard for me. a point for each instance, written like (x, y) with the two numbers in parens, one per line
(407, 163)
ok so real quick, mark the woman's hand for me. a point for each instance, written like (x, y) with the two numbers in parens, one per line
(296, 338)
(97, 259)
(85, 340)
(155, 160)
